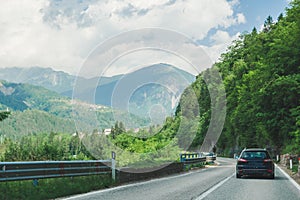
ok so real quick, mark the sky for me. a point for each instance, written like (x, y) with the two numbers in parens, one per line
(123, 35)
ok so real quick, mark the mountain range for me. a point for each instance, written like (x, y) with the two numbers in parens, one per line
(48, 78)
(35, 109)
(152, 91)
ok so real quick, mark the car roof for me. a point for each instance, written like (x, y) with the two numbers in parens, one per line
(255, 149)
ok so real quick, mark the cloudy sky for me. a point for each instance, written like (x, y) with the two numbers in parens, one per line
(64, 34)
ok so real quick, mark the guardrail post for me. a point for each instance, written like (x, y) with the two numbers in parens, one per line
(181, 158)
(113, 165)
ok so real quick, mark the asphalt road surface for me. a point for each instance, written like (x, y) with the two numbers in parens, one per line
(213, 183)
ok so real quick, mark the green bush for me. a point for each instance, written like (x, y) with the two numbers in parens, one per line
(295, 168)
(53, 188)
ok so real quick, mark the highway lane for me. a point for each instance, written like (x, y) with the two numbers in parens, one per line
(256, 188)
(210, 183)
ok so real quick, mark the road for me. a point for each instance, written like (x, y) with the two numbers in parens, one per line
(213, 183)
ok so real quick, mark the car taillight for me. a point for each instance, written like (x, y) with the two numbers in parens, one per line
(267, 160)
(242, 160)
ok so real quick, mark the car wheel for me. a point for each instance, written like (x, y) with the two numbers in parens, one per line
(238, 176)
(272, 176)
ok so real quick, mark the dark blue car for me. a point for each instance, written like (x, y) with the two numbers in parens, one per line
(255, 162)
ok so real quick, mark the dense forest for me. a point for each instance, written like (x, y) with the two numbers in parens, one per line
(260, 72)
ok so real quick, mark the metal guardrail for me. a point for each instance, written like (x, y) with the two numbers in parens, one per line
(210, 158)
(192, 158)
(34, 170)
(13, 171)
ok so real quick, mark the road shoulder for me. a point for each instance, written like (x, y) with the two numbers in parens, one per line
(291, 174)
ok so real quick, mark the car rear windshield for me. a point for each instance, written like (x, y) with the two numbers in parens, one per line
(255, 155)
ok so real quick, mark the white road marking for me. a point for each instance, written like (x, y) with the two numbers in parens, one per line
(131, 185)
(143, 183)
(290, 179)
(205, 194)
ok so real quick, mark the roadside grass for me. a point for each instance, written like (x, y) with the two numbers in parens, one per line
(194, 166)
(295, 169)
(149, 163)
(53, 188)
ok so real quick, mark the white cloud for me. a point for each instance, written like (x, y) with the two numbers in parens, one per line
(61, 34)
(221, 40)
(241, 18)
(221, 37)
(143, 47)
(234, 2)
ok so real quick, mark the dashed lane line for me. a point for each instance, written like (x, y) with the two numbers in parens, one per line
(205, 194)
(130, 185)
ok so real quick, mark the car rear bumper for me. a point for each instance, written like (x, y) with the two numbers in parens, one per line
(255, 172)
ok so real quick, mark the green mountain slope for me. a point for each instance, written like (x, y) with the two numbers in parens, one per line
(18, 96)
(261, 75)
(36, 109)
(35, 122)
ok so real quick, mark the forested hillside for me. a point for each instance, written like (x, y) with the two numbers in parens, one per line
(35, 110)
(260, 72)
